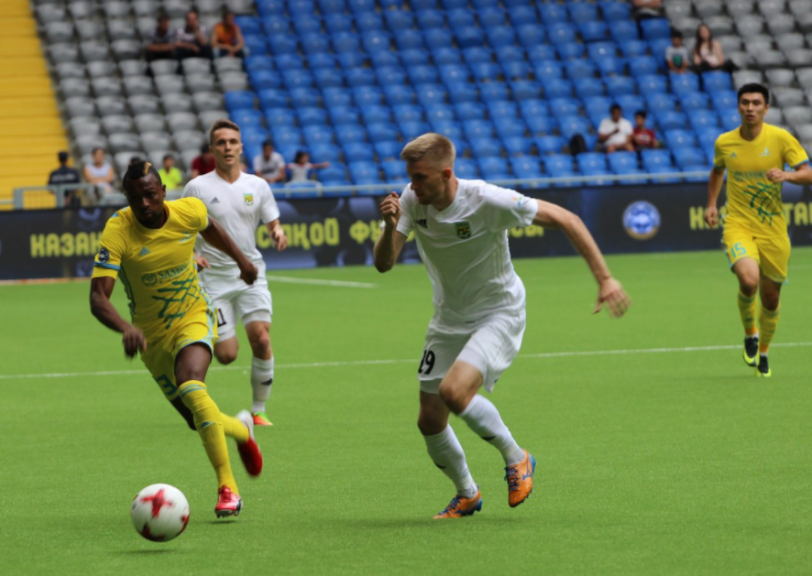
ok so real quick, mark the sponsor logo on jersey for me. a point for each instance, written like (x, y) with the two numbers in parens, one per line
(463, 230)
(186, 237)
(151, 279)
(766, 152)
(641, 220)
(423, 222)
(249, 199)
(733, 155)
(215, 201)
(144, 252)
(104, 254)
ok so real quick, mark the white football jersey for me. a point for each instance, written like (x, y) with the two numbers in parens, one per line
(465, 248)
(238, 208)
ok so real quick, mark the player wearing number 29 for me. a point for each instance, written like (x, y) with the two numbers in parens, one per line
(479, 303)
(149, 246)
(755, 230)
(239, 201)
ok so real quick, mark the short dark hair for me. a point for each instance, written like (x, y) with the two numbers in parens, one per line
(138, 169)
(675, 33)
(97, 149)
(220, 124)
(299, 154)
(169, 157)
(641, 113)
(614, 107)
(205, 148)
(268, 143)
(754, 88)
(63, 157)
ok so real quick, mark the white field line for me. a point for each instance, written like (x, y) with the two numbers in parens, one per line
(319, 282)
(541, 356)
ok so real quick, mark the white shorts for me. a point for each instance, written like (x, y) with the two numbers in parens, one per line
(235, 300)
(489, 345)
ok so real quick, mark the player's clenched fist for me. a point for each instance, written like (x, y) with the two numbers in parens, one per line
(390, 210)
(712, 216)
(248, 273)
(134, 341)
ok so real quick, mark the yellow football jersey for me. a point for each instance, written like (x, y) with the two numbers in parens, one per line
(752, 200)
(156, 266)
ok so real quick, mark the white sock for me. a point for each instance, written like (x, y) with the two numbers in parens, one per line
(261, 380)
(446, 452)
(751, 336)
(483, 418)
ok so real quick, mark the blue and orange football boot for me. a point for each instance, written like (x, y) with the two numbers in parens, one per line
(520, 479)
(460, 507)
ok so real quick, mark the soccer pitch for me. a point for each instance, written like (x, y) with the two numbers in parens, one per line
(659, 451)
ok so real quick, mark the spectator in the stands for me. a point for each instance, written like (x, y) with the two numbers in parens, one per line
(62, 176)
(269, 164)
(644, 9)
(161, 43)
(171, 176)
(644, 137)
(708, 54)
(191, 39)
(204, 163)
(676, 55)
(100, 173)
(615, 133)
(300, 167)
(226, 37)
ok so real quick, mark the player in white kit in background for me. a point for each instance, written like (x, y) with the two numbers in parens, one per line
(479, 303)
(239, 202)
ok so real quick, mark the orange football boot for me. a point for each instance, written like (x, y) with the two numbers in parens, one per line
(520, 479)
(460, 507)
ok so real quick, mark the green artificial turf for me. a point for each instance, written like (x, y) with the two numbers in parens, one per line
(660, 462)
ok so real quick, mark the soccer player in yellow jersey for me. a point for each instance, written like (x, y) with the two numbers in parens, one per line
(755, 231)
(149, 246)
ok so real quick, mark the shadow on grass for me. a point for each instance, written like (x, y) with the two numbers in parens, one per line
(426, 523)
(146, 552)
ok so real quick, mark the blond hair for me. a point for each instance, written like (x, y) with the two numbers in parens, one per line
(435, 148)
(219, 125)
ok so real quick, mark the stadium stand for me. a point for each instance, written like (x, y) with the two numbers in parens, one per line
(351, 80)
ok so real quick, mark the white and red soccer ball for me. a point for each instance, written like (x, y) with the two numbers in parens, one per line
(160, 512)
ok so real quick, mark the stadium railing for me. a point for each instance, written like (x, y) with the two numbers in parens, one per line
(317, 190)
(21, 202)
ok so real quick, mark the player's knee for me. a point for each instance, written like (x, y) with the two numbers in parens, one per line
(429, 424)
(453, 397)
(260, 345)
(748, 283)
(769, 301)
(225, 356)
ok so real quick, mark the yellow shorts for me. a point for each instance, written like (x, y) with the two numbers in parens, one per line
(771, 252)
(198, 327)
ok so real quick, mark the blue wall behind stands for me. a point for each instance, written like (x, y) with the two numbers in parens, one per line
(342, 231)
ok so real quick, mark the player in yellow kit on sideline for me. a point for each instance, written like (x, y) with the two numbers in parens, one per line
(755, 230)
(149, 246)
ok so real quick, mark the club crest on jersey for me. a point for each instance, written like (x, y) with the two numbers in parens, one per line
(249, 199)
(463, 230)
(104, 254)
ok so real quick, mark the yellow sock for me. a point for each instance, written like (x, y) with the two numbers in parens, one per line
(747, 311)
(233, 428)
(767, 323)
(208, 421)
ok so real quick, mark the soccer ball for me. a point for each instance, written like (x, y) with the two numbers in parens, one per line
(160, 512)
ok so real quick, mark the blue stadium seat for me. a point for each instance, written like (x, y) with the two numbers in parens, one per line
(314, 43)
(561, 32)
(301, 7)
(399, 21)
(592, 163)
(701, 119)
(477, 54)
(298, 79)
(602, 50)
(255, 44)
(502, 109)
(332, 6)
(382, 131)
(376, 113)
(375, 40)
(407, 39)
(687, 82)
(525, 89)
(478, 129)
(556, 88)
(429, 94)
(248, 116)
(325, 152)
(469, 111)
(463, 93)
(570, 50)
(307, 24)
(500, 36)
(282, 44)
(383, 58)
(270, 7)
(569, 126)
(358, 152)
(346, 42)
(563, 107)
(491, 17)
(423, 5)
(469, 37)
(622, 31)
(597, 105)
(661, 102)
(549, 144)
(407, 112)
(581, 12)
(454, 4)
(517, 145)
(559, 165)
(388, 149)
(540, 125)
(328, 77)
(493, 91)
(632, 47)
(523, 14)
(656, 158)
(390, 75)
(369, 21)
(285, 136)
(430, 19)
(535, 107)
(630, 103)
(620, 85)
(364, 95)
(363, 170)
(652, 84)
(360, 77)
(623, 162)
(335, 23)
(449, 129)
(314, 62)
(724, 101)
(671, 120)
(414, 57)
(288, 61)
(530, 34)
(261, 62)
(485, 71)
(679, 139)
(312, 116)
(611, 65)
(261, 78)
(707, 136)
(394, 171)
(437, 37)
(614, 10)
(399, 95)
(485, 147)
(546, 69)
(662, 170)
(268, 98)
(466, 168)
(494, 168)
(541, 53)
(526, 167)
(337, 97)
(358, 7)
(439, 113)
(690, 101)
(643, 66)
(278, 116)
(412, 130)
(593, 31)
(689, 156)
(276, 25)
(249, 25)
(580, 69)
(344, 115)
(446, 55)
(655, 29)
(552, 12)
(422, 74)
(318, 134)
(715, 81)
(304, 97)
(515, 70)
(506, 54)
(586, 87)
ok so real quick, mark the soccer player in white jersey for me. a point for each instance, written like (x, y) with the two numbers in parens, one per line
(479, 303)
(239, 202)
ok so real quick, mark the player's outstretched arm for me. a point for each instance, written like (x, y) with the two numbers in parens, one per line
(801, 175)
(717, 178)
(610, 291)
(390, 243)
(219, 238)
(106, 313)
